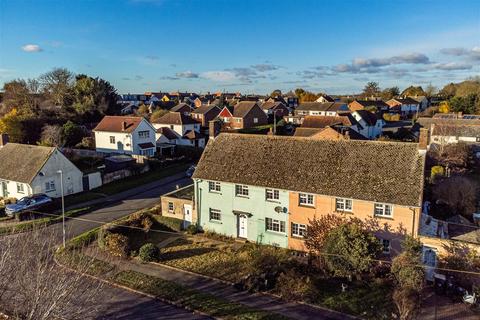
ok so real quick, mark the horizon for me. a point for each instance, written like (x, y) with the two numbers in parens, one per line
(171, 45)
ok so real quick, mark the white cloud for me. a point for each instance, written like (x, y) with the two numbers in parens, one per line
(187, 74)
(218, 75)
(31, 48)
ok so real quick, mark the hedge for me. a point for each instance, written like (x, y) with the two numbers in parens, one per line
(168, 223)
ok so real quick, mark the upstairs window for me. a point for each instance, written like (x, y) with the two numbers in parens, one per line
(241, 190)
(385, 246)
(272, 194)
(170, 207)
(342, 204)
(305, 199)
(144, 134)
(50, 186)
(214, 186)
(383, 210)
(20, 188)
(112, 139)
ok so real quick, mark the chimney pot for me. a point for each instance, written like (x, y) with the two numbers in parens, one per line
(3, 139)
(124, 125)
(213, 128)
(423, 139)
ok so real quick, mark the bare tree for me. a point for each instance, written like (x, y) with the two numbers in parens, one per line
(33, 286)
(459, 193)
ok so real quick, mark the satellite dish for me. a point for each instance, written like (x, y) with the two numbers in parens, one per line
(278, 209)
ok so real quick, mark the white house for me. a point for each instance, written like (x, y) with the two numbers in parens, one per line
(447, 133)
(371, 126)
(123, 134)
(186, 130)
(321, 109)
(405, 106)
(28, 169)
(324, 99)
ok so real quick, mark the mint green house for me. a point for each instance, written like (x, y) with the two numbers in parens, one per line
(248, 212)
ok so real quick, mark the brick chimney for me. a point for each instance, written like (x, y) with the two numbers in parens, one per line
(3, 139)
(213, 128)
(423, 139)
(124, 125)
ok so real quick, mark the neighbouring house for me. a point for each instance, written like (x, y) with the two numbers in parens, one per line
(324, 98)
(371, 125)
(245, 114)
(450, 128)
(276, 108)
(292, 101)
(239, 193)
(205, 113)
(422, 100)
(126, 135)
(28, 169)
(186, 130)
(370, 105)
(179, 204)
(406, 107)
(182, 107)
(321, 109)
(345, 120)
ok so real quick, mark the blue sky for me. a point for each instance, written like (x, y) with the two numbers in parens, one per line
(248, 46)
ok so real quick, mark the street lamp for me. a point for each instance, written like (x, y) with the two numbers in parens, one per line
(63, 205)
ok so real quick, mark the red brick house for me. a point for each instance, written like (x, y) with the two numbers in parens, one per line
(205, 113)
(245, 114)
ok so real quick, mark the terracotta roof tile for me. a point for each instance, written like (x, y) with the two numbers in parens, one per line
(115, 124)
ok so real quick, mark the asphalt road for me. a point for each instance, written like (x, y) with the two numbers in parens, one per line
(117, 303)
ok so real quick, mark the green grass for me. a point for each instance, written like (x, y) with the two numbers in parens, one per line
(42, 222)
(126, 184)
(190, 298)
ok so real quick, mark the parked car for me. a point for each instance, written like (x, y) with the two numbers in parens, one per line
(190, 171)
(36, 202)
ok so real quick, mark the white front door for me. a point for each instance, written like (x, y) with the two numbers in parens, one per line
(242, 226)
(187, 215)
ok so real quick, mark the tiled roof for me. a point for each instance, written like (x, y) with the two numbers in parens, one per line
(242, 108)
(206, 108)
(318, 106)
(323, 121)
(369, 117)
(406, 100)
(175, 118)
(193, 135)
(389, 172)
(22, 162)
(146, 145)
(267, 105)
(372, 103)
(115, 124)
(167, 132)
(445, 129)
(180, 107)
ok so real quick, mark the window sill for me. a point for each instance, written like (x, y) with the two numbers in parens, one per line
(311, 206)
(215, 192)
(297, 237)
(244, 197)
(215, 221)
(276, 232)
(340, 211)
(273, 200)
(383, 217)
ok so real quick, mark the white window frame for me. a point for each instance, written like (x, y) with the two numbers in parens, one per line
(299, 230)
(20, 188)
(214, 186)
(112, 139)
(241, 190)
(171, 207)
(272, 224)
(341, 204)
(255, 120)
(214, 214)
(50, 186)
(272, 194)
(380, 209)
(145, 134)
(306, 199)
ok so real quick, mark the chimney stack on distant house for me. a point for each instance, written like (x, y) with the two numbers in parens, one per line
(3, 139)
(423, 139)
(213, 128)
(124, 125)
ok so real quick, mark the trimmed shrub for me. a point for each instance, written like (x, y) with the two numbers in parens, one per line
(294, 286)
(149, 252)
(192, 229)
(168, 223)
(117, 244)
(437, 171)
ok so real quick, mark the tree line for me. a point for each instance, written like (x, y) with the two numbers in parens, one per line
(55, 108)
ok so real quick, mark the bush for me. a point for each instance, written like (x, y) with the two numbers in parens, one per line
(192, 229)
(437, 171)
(294, 286)
(168, 223)
(391, 117)
(117, 244)
(149, 252)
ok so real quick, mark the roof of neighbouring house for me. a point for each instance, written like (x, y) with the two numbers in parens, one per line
(345, 119)
(203, 109)
(459, 130)
(180, 107)
(193, 135)
(167, 132)
(372, 103)
(406, 100)
(326, 132)
(390, 172)
(267, 105)
(318, 106)
(327, 98)
(175, 118)
(115, 124)
(186, 193)
(241, 109)
(146, 145)
(369, 117)
(22, 162)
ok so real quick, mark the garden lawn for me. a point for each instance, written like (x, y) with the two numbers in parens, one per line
(221, 260)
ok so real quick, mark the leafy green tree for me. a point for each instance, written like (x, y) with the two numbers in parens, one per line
(371, 89)
(299, 92)
(94, 97)
(157, 114)
(72, 133)
(350, 249)
(276, 93)
(413, 91)
(17, 95)
(468, 104)
(407, 266)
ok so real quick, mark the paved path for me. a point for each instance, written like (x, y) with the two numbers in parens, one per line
(222, 290)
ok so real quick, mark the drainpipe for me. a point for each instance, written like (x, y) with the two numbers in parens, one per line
(413, 226)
